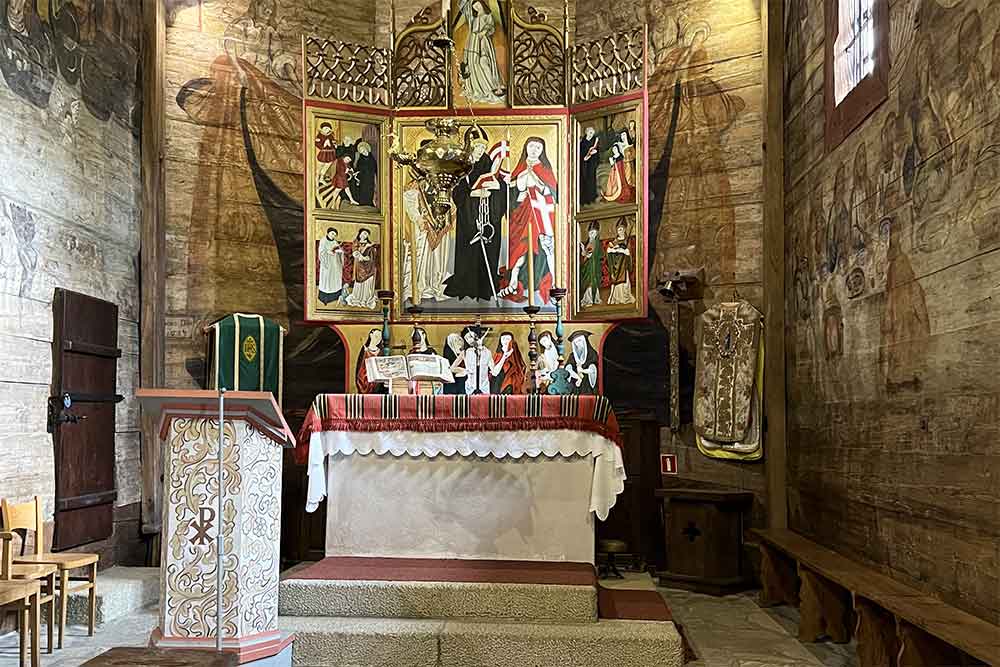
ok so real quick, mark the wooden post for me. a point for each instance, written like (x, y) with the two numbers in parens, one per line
(774, 263)
(152, 254)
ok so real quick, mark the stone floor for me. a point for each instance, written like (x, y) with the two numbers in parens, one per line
(727, 631)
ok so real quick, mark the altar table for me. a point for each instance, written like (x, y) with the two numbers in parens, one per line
(487, 477)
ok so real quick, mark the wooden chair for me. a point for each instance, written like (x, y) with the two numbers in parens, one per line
(25, 595)
(28, 517)
(44, 574)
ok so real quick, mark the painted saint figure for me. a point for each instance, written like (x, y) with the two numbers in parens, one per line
(582, 364)
(548, 360)
(620, 253)
(372, 348)
(480, 203)
(366, 170)
(620, 188)
(479, 72)
(420, 344)
(508, 370)
(433, 248)
(591, 266)
(455, 354)
(365, 256)
(331, 267)
(534, 190)
(476, 362)
(589, 161)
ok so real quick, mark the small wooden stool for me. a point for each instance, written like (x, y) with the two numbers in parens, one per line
(610, 548)
(141, 657)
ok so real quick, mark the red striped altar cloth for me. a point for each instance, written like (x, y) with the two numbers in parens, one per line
(430, 414)
(470, 427)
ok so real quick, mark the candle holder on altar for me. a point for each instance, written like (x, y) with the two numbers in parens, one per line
(531, 312)
(414, 312)
(385, 296)
(558, 294)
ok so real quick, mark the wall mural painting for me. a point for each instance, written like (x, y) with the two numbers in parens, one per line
(493, 361)
(480, 29)
(247, 191)
(508, 216)
(690, 177)
(92, 44)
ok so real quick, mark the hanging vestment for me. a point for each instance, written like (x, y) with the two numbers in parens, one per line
(728, 382)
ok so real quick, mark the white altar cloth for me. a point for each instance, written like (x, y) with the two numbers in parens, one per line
(509, 495)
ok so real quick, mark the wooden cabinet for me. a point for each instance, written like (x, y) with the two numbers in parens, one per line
(704, 535)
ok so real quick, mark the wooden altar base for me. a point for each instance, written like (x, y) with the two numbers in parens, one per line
(382, 611)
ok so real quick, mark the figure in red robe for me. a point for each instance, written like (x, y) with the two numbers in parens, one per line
(533, 211)
(508, 371)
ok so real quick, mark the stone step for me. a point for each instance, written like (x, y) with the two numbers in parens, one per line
(120, 591)
(514, 602)
(377, 642)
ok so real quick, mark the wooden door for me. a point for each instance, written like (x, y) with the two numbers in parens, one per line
(85, 366)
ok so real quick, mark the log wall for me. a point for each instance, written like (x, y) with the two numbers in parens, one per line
(892, 279)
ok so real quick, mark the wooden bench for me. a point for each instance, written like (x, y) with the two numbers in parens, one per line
(895, 625)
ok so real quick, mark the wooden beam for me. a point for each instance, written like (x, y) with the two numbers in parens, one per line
(772, 17)
(152, 254)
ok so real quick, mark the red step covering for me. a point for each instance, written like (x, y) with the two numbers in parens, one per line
(628, 605)
(351, 568)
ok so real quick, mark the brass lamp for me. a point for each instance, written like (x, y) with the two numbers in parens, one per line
(438, 164)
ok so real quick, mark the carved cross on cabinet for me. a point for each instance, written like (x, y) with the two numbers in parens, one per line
(691, 531)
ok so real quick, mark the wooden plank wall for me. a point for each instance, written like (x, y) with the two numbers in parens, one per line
(894, 394)
(69, 211)
(230, 248)
(708, 188)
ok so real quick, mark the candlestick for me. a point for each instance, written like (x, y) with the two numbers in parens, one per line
(414, 312)
(385, 296)
(558, 294)
(532, 311)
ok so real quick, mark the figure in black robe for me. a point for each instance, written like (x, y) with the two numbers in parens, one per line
(476, 275)
(583, 364)
(590, 158)
(367, 171)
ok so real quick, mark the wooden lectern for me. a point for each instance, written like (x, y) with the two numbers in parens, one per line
(254, 434)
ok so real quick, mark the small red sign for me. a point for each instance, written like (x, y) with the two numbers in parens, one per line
(668, 464)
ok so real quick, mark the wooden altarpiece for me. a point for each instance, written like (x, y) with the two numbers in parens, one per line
(573, 115)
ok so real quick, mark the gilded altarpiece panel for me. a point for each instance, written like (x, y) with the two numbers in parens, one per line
(507, 233)
(608, 267)
(347, 230)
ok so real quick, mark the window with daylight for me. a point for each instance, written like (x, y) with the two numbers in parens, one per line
(857, 63)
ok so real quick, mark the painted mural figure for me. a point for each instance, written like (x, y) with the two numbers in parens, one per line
(331, 267)
(591, 266)
(905, 326)
(371, 348)
(433, 248)
(589, 161)
(582, 363)
(480, 204)
(534, 188)
(839, 224)
(480, 73)
(620, 252)
(508, 370)
(365, 255)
